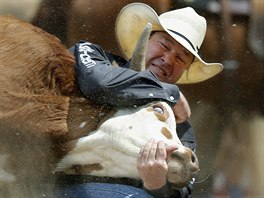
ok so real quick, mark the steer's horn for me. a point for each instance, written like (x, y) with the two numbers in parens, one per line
(139, 54)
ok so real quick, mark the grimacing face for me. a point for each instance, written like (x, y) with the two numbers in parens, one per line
(167, 58)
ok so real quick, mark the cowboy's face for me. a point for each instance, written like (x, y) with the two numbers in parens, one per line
(167, 58)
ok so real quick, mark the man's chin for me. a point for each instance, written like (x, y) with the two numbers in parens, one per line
(163, 79)
(166, 80)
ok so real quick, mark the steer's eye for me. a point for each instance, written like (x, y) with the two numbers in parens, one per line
(158, 109)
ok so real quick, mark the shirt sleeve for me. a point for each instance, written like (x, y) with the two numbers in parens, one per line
(98, 79)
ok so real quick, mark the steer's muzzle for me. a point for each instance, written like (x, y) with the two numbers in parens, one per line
(183, 165)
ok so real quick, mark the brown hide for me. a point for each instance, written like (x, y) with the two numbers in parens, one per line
(35, 71)
(39, 102)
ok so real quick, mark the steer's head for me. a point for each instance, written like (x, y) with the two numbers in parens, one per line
(182, 162)
(113, 148)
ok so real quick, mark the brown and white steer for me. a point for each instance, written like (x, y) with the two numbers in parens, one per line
(113, 148)
(46, 125)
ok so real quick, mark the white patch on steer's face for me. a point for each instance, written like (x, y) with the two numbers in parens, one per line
(116, 143)
(139, 125)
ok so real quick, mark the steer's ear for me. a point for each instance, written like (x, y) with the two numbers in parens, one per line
(139, 54)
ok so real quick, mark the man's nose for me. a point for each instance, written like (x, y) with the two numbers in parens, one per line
(167, 59)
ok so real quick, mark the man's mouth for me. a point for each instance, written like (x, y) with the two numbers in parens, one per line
(160, 70)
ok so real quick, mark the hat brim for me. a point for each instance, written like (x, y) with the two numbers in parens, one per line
(199, 71)
(129, 25)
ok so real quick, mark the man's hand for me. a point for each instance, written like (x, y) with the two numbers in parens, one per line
(182, 109)
(151, 164)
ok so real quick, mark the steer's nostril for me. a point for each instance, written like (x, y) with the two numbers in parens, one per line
(193, 158)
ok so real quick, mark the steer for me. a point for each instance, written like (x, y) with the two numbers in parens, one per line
(46, 125)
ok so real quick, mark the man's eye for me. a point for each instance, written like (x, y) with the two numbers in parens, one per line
(180, 60)
(164, 46)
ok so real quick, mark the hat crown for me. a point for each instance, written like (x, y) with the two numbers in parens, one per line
(186, 23)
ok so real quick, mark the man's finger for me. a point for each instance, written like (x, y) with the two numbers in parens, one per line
(161, 151)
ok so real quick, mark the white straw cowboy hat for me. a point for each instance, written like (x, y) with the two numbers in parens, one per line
(184, 25)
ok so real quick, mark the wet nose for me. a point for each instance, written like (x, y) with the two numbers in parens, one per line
(186, 155)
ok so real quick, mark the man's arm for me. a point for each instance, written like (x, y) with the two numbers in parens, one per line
(117, 86)
(181, 110)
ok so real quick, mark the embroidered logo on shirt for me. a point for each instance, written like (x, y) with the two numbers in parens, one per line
(84, 48)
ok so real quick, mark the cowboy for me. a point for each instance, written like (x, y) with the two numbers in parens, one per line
(171, 57)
